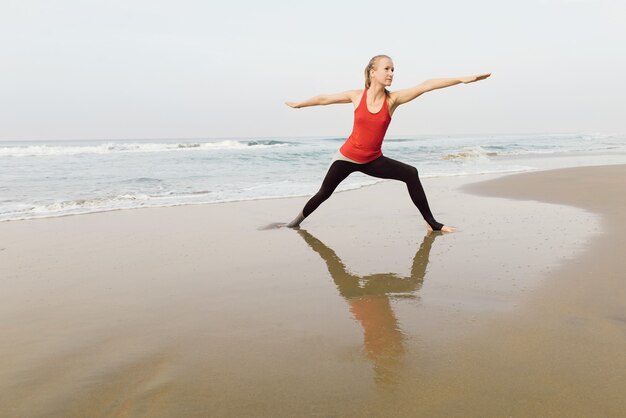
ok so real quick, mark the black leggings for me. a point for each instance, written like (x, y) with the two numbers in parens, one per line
(382, 167)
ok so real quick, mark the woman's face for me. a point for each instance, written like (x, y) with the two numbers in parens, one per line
(383, 72)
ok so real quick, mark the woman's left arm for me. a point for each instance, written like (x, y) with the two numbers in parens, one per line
(405, 96)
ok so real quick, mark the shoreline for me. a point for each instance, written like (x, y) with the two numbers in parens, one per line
(556, 161)
(80, 200)
(188, 309)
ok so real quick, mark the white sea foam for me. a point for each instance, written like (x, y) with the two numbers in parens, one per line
(468, 153)
(59, 178)
(114, 147)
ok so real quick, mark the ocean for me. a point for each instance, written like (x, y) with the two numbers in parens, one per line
(57, 178)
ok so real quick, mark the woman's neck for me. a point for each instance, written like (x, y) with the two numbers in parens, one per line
(376, 90)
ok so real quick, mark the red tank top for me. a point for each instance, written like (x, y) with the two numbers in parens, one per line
(365, 141)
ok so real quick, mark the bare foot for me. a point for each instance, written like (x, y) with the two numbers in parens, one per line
(444, 229)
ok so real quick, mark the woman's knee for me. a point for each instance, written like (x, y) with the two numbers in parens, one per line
(410, 174)
(324, 193)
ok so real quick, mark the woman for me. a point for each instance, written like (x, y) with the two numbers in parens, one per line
(373, 108)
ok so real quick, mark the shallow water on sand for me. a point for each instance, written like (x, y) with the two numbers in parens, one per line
(359, 313)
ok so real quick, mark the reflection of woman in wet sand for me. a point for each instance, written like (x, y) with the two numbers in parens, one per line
(368, 297)
(373, 107)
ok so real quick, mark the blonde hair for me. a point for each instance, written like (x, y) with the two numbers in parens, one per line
(369, 67)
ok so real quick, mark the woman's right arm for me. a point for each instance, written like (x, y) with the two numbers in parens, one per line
(325, 99)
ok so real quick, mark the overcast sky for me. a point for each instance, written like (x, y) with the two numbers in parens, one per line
(135, 69)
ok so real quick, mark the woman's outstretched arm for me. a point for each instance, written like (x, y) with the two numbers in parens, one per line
(326, 99)
(404, 96)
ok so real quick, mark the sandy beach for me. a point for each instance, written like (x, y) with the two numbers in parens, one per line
(202, 311)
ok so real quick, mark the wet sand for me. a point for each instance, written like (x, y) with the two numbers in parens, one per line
(199, 311)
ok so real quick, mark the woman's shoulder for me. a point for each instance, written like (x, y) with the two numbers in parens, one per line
(356, 95)
(392, 97)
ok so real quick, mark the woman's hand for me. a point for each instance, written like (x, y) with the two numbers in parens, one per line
(473, 78)
(292, 104)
